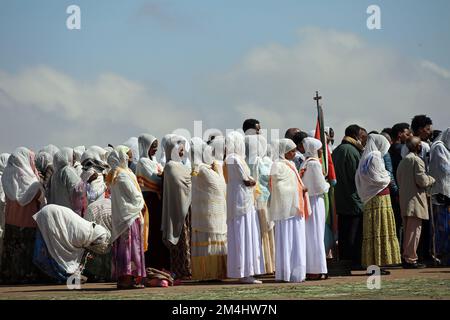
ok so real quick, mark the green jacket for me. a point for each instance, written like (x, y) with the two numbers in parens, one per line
(346, 159)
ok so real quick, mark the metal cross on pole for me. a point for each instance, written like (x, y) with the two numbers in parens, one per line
(317, 98)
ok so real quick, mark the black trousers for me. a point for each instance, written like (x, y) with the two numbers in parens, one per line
(398, 220)
(350, 230)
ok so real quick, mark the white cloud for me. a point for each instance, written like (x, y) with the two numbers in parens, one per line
(435, 68)
(360, 82)
(109, 107)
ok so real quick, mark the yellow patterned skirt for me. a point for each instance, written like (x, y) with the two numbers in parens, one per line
(208, 256)
(380, 245)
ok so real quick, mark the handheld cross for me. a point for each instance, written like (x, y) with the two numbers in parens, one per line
(317, 98)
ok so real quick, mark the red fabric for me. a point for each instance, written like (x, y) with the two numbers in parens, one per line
(331, 172)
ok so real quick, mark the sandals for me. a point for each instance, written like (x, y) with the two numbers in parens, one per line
(316, 277)
(122, 286)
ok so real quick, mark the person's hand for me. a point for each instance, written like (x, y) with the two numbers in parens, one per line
(250, 183)
(93, 177)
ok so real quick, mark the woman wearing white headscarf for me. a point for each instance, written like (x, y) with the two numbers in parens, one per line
(64, 240)
(245, 256)
(175, 227)
(218, 152)
(149, 175)
(260, 165)
(77, 154)
(133, 144)
(24, 196)
(99, 212)
(50, 149)
(380, 244)
(162, 158)
(128, 212)
(208, 215)
(3, 161)
(67, 187)
(94, 169)
(44, 165)
(440, 170)
(288, 207)
(312, 176)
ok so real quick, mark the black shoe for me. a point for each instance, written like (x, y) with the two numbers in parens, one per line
(384, 272)
(413, 265)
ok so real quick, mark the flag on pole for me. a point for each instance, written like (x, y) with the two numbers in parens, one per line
(330, 174)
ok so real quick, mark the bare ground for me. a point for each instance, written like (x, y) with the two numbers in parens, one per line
(431, 283)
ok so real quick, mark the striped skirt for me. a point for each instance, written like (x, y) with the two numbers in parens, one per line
(208, 256)
(380, 244)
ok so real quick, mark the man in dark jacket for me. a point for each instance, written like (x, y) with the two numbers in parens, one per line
(349, 206)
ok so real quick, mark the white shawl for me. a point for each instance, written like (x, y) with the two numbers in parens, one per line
(177, 192)
(240, 198)
(51, 149)
(66, 183)
(3, 161)
(312, 168)
(147, 169)
(126, 197)
(100, 213)
(67, 235)
(208, 208)
(286, 189)
(371, 176)
(20, 178)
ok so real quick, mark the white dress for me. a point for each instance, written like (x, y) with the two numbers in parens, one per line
(316, 260)
(290, 251)
(245, 257)
(285, 209)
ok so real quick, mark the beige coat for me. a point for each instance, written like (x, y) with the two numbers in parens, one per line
(413, 182)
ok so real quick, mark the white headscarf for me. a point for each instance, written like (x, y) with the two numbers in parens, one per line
(145, 142)
(284, 146)
(133, 144)
(256, 148)
(63, 158)
(235, 144)
(78, 152)
(162, 158)
(311, 146)
(371, 176)
(126, 197)
(20, 178)
(313, 175)
(260, 165)
(208, 207)
(197, 146)
(67, 235)
(286, 198)
(172, 147)
(440, 163)
(66, 184)
(218, 148)
(147, 169)
(3, 161)
(95, 152)
(43, 160)
(51, 149)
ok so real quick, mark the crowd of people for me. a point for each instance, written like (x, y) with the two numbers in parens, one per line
(233, 206)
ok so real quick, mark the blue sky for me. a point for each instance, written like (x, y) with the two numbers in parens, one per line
(173, 48)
